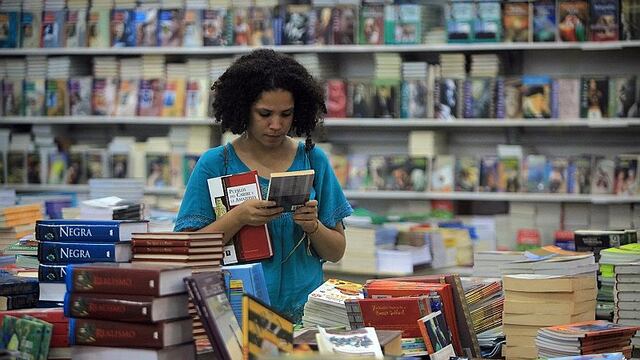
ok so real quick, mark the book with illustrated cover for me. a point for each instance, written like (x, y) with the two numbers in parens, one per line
(57, 97)
(34, 93)
(536, 94)
(568, 98)
(358, 342)
(544, 20)
(323, 25)
(604, 21)
(536, 173)
(626, 174)
(23, 336)
(119, 165)
(217, 27)
(197, 98)
(399, 172)
(174, 97)
(509, 174)
(387, 99)
(74, 173)
(336, 98)
(414, 99)
(261, 26)
(150, 97)
(10, 24)
(80, 89)
(603, 176)
(345, 25)
(34, 164)
(361, 97)
(443, 174)
(467, 173)
(158, 170)
(290, 190)
(170, 27)
(513, 98)
(481, 99)
(517, 22)
(573, 20)
(594, 97)
(52, 29)
(558, 175)
(146, 24)
(460, 18)
(241, 31)
(296, 25)
(447, 99)
(264, 331)
(488, 24)
(104, 98)
(630, 20)
(579, 174)
(30, 24)
(623, 96)
(189, 162)
(96, 164)
(371, 25)
(13, 100)
(123, 32)
(358, 174)
(57, 163)
(98, 28)
(127, 102)
(192, 34)
(16, 167)
(408, 24)
(437, 336)
(76, 28)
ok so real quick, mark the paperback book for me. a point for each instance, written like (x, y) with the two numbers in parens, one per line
(170, 27)
(57, 97)
(371, 25)
(594, 97)
(323, 25)
(517, 22)
(217, 27)
(192, 34)
(104, 96)
(488, 24)
(98, 28)
(10, 23)
(123, 28)
(290, 190)
(573, 20)
(16, 167)
(76, 28)
(52, 29)
(345, 25)
(31, 22)
(261, 26)
(146, 23)
(80, 95)
(604, 20)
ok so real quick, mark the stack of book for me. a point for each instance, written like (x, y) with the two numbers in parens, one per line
(326, 304)
(361, 252)
(17, 292)
(200, 252)
(486, 301)
(127, 189)
(59, 345)
(627, 298)
(17, 222)
(485, 263)
(111, 208)
(609, 260)
(128, 311)
(533, 301)
(583, 338)
(64, 242)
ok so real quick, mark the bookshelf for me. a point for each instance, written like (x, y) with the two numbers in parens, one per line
(103, 120)
(30, 188)
(339, 49)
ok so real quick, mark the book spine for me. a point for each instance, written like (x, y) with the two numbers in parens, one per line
(153, 243)
(468, 337)
(161, 250)
(51, 315)
(21, 301)
(52, 273)
(112, 333)
(17, 288)
(59, 253)
(78, 232)
(207, 321)
(123, 281)
(92, 306)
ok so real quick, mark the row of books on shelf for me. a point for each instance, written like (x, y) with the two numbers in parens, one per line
(586, 174)
(320, 24)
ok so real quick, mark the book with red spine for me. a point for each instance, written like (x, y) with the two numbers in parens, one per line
(113, 333)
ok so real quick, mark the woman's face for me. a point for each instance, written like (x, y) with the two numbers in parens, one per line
(271, 117)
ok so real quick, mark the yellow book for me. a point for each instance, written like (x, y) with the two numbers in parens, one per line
(547, 283)
(264, 331)
(174, 97)
(545, 308)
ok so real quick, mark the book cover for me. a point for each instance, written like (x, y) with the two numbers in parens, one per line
(98, 28)
(111, 333)
(387, 98)
(74, 253)
(336, 98)
(460, 17)
(603, 176)
(296, 25)
(580, 174)
(536, 172)
(345, 25)
(604, 21)
(16, 285)
(208, 295)
(536, 95)
(146, 25)
(80, 90)
(52, 29)
(594, 97)
(22, 335)
(447, 106)
(414, 99)
(467, 174)
(158, 170)
(150, 97)
(127, 100)
(76, 28)
(408, 24)
(443, 174)
(104, 96)
(57, 97)
(170, 27)
(123, 32)
(174, 97)
(626, 175)
(241, 279)
(482, 98)
(96, 164)
(623, 96)
(16, 167)
(119, 166)
(516, 22)
(290, 190)
(323, 25)
(30, 24)
(436, 335)
(401, 313)
(197, 98)
(192, 34)
(264, 331)
(241, 30)
(10, 22)
(189, 162)
(217, 27)
(34, 94)
(34, 164)
(361, 97)
(544, 21)
(487, 27)
(90, 231)
(399, 173)
(358, 342)
(48, 273)
(357, 179)
(12, 92)
(47, 335)
(572, 20)
(630, 20)
(371, 25)
(509, 174)
(568, 98)
(260, 26)
(74, 172)
(513, 98)
(127, 308)
(558, 175)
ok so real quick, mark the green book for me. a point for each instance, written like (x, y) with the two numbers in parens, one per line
(9, 339)
(30, 338)
(47, 333)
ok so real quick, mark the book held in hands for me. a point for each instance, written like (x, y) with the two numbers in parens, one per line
(290, 190)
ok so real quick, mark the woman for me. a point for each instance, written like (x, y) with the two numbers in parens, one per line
(264, 96)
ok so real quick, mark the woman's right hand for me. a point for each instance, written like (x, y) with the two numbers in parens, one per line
(256, 212)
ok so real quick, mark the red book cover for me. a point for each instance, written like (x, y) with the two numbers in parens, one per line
(60, 340)
(129, 308)
(113, 333)
(50, 315)
(395, 314)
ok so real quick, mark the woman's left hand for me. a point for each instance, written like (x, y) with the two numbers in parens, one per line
(307, 216)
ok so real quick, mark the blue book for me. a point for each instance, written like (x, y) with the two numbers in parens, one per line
(53, 29)
(15, 285)
(244, 279)
(57, 253)
(94, 231)
(123, 32)
(52, 273)
(10, 22)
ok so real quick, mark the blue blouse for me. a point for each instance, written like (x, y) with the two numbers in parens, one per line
(290, 278)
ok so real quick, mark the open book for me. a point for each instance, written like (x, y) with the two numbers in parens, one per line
(290, 190)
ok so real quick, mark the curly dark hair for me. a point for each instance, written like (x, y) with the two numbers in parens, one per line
(263, 70)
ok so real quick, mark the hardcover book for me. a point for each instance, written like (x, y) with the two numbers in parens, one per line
(112, 333)
(98, 25)
(217, 27)
(544, 21)
(290, 190)
(170, 27)
(401, 313)
(74, 253)
(91, 231)
(127, 308)
(30, 24)
(251, 242)
(573, 20)
(604, 21)
(76, 28)
(264, 331)
(22, 301)
(371, 25)
(52, 273)
(296, 25)
(52, 29)
(123, 32)
(594, 97)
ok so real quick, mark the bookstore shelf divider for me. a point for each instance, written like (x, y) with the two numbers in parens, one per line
(228, 50)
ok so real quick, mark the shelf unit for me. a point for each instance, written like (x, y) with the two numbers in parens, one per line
(85, 189)
(346, 49)
(102, 120)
